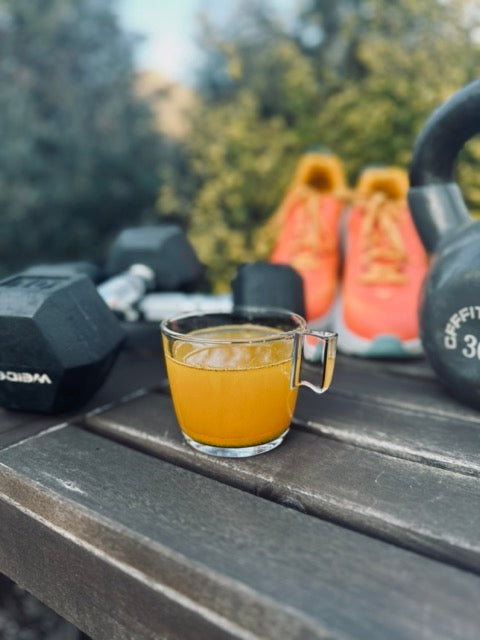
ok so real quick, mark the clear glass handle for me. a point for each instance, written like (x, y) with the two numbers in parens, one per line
(314, 346)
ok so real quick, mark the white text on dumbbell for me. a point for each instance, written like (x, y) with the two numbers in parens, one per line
(25, 377)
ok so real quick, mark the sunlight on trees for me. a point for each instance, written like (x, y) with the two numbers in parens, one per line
(357, 76)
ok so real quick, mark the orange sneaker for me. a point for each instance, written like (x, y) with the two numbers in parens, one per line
(307, 235)
(384, 266)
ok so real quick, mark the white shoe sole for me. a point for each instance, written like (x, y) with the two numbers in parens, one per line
(384, 345)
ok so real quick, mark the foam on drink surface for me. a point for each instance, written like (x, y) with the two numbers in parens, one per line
(263, 350)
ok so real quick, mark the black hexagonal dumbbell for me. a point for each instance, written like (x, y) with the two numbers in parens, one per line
(261, 284)
(58, 341)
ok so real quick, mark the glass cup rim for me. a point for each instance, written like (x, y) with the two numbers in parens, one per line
(281, 312)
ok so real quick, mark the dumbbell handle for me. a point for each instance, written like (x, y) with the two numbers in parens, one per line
(158, 306)
(123, 292)
(127, 295)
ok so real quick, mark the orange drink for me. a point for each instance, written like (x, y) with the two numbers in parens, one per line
(232, 395)
(234, 377)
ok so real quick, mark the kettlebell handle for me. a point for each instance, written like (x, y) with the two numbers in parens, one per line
(435, 198)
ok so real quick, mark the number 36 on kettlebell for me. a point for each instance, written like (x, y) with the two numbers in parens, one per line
(450, 304)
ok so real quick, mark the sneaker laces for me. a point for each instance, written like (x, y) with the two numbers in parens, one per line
(384, 249)
(311, 238)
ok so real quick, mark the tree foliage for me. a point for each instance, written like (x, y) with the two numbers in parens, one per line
(78, 154)
(357, 76)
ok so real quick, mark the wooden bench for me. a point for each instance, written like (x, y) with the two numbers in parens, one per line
(363, 524)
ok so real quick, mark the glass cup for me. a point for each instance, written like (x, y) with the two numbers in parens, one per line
(234, 377)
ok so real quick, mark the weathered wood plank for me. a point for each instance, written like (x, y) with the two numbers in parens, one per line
(430, 510)
(404, 384)
(416, 367)
(401, 415)
(446, 441)
(20, 427)
(128, 546)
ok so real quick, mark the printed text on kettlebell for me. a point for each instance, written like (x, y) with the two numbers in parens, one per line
(455, 322)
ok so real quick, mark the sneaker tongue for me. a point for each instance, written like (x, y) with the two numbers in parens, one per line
(383, 245)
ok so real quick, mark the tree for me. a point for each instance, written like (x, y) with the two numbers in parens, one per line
(79, 155)
(409, 56)
(256, 90)
(357, 76)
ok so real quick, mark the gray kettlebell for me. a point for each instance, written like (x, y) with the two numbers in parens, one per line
(450, 300)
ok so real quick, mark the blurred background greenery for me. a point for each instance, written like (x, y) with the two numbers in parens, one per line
(88, 145)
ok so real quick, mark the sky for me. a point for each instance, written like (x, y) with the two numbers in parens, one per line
(168, 27)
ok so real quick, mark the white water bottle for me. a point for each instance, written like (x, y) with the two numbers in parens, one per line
(123, 292)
